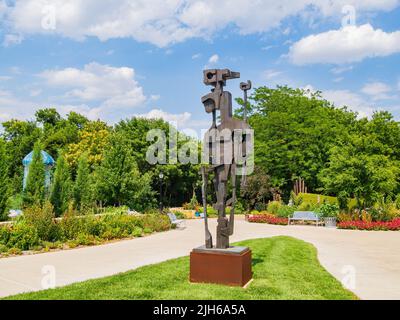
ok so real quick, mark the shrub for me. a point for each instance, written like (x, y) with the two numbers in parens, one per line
(94, 226)
(3, 248)
(138, 232)
(304, 206)
(14, 251)
(5, 234)
(260, 206)
(86, 230)
(23, 237)
(328, 210)
(179, 215)
(285, 211)
(273, 207)
(70, 225)
(42, 218)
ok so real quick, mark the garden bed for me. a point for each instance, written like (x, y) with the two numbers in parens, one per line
(266, 218)
(44, 235)
(393, 225)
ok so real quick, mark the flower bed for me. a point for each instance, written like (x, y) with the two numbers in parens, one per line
(269, 219)
(393, 225)
(43, 233)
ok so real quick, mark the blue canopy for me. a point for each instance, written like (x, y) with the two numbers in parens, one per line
(47, 159)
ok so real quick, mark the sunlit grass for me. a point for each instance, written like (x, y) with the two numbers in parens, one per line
(284, 268)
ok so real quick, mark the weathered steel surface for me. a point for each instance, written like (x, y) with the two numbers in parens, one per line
(221, 267)
(222, 143)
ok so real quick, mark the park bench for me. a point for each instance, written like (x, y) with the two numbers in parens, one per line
(174, 220)
(305, 216)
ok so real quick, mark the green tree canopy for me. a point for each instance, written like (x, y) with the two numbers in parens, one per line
(4, 185)
(35, 190)
(61, 187)
(119, 181)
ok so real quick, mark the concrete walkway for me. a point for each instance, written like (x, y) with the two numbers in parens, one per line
(368, 260)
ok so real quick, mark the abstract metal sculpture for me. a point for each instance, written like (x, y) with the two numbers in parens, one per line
(225, 146)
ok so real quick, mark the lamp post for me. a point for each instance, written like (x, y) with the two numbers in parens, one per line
(161, 176)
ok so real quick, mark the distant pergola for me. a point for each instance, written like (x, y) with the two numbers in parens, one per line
(48, 161)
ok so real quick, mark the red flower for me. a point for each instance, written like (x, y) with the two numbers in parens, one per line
(267, 219)
(393, 225)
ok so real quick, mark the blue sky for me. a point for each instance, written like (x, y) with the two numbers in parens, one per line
(113, 60)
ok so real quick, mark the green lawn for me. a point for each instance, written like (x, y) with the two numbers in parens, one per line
(284, 268)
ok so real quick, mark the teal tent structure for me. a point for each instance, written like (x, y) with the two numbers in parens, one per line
(48, 162)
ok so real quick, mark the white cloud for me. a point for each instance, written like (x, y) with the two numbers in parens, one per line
(342, 69)
(35, 92)
(346, 45)
(354, 101)
(14, 107)
(112, 87)
(196, 56)
(163, 22)
(271, 74)
(181, 119)
(213, 59)
(346, 98)
(377, 90)
(339, 79)
(12, 39)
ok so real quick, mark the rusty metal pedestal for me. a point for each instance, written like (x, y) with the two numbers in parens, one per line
(231, 267)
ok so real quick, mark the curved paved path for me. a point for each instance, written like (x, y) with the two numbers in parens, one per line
(373, 257)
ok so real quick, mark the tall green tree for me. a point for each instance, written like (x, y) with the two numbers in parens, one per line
(60, 195)
(82, 188)
(357, 169)
(294, 131)
(20, 137)
(4, 185)
(35, 190)
(119, 181)
(179, 178)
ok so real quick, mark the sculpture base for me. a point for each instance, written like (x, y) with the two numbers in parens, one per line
(231, 267)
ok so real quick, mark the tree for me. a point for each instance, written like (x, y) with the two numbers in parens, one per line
(35, 190)
(93, 139)
(4, 185)
(82, 187)
(20, 137)
(294, 131)
(179, 178)
(119, 181)
(257, 189)
(61, 188)
(358, 170)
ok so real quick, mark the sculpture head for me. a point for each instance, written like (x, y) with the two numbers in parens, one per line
(216, 78)
(213, 77)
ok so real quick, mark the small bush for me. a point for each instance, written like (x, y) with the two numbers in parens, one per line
(285, 211)
(14, 251)
(328, 210)
(70, 225)
(304, 206)
(273, 207)
(23, 237)
(3, 248)
(5, 234)
(42, 219)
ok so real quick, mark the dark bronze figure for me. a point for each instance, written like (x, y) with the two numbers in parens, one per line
(224, 145)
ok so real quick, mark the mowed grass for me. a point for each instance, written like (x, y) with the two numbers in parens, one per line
(284, 268)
